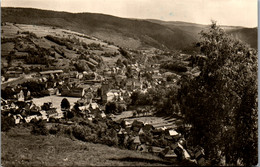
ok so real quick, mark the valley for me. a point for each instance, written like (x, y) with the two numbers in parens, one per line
(94, 89)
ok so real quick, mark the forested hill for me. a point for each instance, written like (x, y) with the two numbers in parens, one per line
(131, 33)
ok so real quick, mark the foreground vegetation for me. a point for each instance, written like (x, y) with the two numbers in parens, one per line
(20, 148)
(221, 103)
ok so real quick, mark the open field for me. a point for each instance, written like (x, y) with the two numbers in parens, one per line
(20, 148)
(56, 100)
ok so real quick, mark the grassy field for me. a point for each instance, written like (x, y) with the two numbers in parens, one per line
(20, 148)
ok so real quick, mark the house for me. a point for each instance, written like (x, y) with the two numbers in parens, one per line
(51, 72)
(93, 61)
(127, 124)
(79, 76)
(138, 84)
(142, 148)
(141, 131)
(120, 78)
(172, 132)
(30, 117)
(105, 87)
(83, 101)
(19, 95)
(94, 106)
(156, 71)
(148, 128)
(157, 77)
(51, 91)
(156, 150)
(103, 115)
(201, 161)
(13, 106)
(168, 153)
(74, 92)
(177, 150)
(17, 118)
(14, 74)
(136, 141)
(52, 113)
(172, 135)
(122, 131)
(44, 115)
(88, 96)
(137, 125)
(157, 132)
(129, 85)
(199, 153)
(112, 95)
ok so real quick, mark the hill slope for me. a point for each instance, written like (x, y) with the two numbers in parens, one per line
(131, 33)
(127, 32)
(248, 35)
(20, 148)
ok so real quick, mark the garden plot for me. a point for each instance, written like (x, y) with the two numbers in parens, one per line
(157, 122)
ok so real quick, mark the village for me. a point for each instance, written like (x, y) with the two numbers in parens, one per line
(105, 95)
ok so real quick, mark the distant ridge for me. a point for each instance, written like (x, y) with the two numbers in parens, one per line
(126, 32)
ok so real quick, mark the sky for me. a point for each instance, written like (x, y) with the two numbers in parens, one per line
(225, 12)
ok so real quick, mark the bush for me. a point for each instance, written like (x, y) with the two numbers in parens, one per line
(39, 128)
(54, 129)
(7, 123)
(124, 53)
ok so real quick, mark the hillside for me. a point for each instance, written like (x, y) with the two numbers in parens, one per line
(20, 148)
(46, 48)
(130, 33)
(247, 35)
(124, 32)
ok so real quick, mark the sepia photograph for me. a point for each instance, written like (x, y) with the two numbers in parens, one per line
(129, 83)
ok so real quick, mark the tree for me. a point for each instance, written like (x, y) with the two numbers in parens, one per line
(111, 107)
(134, 97)
(65, 104)
(221, 103)
(119, 63)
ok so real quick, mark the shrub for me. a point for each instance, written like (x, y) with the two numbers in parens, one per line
(124, 53)
(6, 123)
(54, 129)
(39, 128)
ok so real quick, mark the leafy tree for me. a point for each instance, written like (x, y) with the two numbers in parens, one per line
(221, 103)
(65, 104)
(111, 107)
(119, 63)
(134, 97)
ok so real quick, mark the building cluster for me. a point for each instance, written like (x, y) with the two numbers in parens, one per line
(166, 143)
(25, 112)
